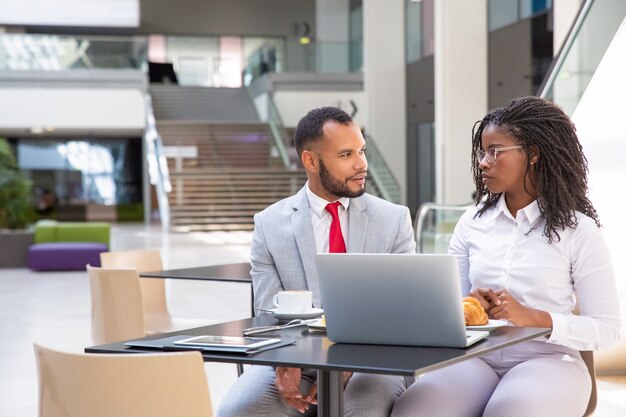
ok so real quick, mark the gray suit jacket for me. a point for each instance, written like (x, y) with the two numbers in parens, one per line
(283, 246)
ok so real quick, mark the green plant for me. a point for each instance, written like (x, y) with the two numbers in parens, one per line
(16, 210)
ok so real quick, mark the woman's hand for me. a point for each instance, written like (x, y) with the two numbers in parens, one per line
(486, 296)
(502, 305)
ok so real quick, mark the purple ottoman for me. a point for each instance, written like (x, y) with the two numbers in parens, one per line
(64, 256)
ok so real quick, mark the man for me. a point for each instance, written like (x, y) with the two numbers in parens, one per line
(288, 234)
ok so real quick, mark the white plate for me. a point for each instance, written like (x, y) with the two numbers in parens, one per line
(315, 312)
(492, 324)
(317, 325)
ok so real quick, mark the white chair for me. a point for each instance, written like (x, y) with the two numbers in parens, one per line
(129, 385)
(157, 317)
(116, 305)
(434, 226)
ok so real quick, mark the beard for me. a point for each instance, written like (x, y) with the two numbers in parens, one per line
(336, 186)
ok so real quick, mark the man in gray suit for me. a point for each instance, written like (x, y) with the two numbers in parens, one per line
(288, 234)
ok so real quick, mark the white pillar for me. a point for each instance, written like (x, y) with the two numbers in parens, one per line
(460, 92)
(332, 24)
(384, 81)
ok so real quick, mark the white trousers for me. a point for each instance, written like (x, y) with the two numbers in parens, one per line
(530, 379)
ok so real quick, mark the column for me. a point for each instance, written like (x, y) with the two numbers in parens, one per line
(384, 81)
(461, 37)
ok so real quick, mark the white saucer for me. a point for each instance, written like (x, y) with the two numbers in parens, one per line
(315, 312)
(317, 325)
(491, 325)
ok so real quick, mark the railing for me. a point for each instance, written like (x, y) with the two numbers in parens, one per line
(379, 171)
(316, 57)
(158, 171)
(278, 131)
(587, 41)
(434, 226)
(33, 52)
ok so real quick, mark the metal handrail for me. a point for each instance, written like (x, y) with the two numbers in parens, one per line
(421, 216)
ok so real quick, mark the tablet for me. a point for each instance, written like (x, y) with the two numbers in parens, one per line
(227, 342)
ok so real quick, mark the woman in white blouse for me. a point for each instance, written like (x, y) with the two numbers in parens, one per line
(529, 250)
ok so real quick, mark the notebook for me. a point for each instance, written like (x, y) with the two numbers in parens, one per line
(393, 299)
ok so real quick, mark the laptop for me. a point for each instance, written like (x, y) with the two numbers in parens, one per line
(393, 299)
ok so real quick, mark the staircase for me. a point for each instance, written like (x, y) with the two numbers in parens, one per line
(235, 175)
(173, 102)
(235, 171)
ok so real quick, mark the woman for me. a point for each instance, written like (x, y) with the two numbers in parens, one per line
(528, 251)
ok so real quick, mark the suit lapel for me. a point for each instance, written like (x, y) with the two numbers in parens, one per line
(357, 225)
(303, 232)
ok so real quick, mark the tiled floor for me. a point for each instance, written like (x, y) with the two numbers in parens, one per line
(54, 309)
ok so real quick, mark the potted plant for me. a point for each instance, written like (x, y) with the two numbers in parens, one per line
(16, 211)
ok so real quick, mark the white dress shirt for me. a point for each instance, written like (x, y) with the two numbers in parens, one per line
(321, 219)
(499, 251)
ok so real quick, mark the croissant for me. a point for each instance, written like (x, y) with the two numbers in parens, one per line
(475, 314)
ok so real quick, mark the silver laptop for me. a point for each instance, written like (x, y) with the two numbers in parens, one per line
(393, 299)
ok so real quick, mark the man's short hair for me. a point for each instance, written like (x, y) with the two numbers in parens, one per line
(310, 128)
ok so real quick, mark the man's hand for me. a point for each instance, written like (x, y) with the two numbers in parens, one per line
(311, 397)
(288, 384)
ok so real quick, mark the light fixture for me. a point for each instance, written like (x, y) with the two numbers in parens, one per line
(303, 30)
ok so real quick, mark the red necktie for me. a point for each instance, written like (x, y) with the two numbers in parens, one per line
(336, 244)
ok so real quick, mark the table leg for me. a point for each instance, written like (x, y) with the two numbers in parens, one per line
(329, 393)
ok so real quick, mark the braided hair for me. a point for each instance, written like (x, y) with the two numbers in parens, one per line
(560, 178)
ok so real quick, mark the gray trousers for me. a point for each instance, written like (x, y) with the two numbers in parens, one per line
(531, 379)
(255, 395)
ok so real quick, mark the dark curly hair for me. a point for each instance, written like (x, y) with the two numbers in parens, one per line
(311, 127)
(560, 178)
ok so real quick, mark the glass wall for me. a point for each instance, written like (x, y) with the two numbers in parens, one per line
(420, 29)
(27, 52)
(356, 39)
(506, 12)
(82, 171)
(218, 61)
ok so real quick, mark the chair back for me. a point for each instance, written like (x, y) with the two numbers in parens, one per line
(152, 289)
(116, 305)
(130, 385)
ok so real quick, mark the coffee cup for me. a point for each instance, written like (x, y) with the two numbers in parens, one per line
(293, 302)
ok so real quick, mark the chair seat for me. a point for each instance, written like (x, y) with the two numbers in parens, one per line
(64, 256)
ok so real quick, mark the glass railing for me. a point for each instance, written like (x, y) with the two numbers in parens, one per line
(158, 171)
(33, 52)
(319, 57)
(283, 144)
(379, 172)
(581, 53)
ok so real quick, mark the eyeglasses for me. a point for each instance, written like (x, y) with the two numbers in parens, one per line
(492, 153)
